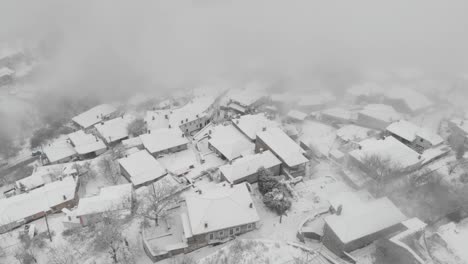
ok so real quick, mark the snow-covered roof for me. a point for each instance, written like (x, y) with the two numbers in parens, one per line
(461, 124)
(366, 89)
(94, 115)
(193, 110)
(46, 174)
(388, 148)
(5, 71)
(220, 208)
(365, 220)
(142, 167)
(110, 198)
(115, 129)
(297, 115)
(381, 112)
(248, 165)
(162, 139)
(410, 131)
(283, 146)
(338, 112)
(251, 124)
(230, 141)
(179, 162)
(353, 133)
(413, 99)
(59, 149)
(86, 143)
(283, 98)
(24, 205)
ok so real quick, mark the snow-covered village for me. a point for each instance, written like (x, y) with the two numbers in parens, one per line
(271, 165)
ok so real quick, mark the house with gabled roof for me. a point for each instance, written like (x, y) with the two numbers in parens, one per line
(228, 142)
(115, 130)
(94, 115)
(29, 206)
(141, 168)
(164, 140)
(355, 226)
(116, 199)
(377, 116)
(249, 125)
(283, 147)
(418, 138)
(216, 214)
(245, 169)
(59, 151)
(87, 145)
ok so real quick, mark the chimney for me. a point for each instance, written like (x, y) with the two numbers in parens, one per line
(166, 116)
(206, 225)
(153, 118)
(339, 210)
(186, 119)
(97, 116)
(263, 128)
(169, 126)
(183, 135)
(419, 157)
(64, 197)
(250, 205)
(149, 131)
(197, 115)
(102, 123)
(181, 121)
(360, 147)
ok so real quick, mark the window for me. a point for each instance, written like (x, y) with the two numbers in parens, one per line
(249, 226)
(211, 236)
(231, 231)
(237, 230)
(221, 233)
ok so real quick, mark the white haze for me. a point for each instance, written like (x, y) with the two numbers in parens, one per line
(113, 47)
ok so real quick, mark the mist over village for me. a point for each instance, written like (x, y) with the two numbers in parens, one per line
(233, 132)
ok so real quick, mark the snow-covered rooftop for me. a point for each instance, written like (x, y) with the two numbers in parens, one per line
(249, 165)
(110, 198)
(163, 139)
(230, 141)
(410, 131)
(132, 142)
(220, 208)
(283, 146)
(142, 167)
(59, 149)
(365, 220)
(193, 110)
(5, 71)
(382, 112)
(46, 174)
(297, 115)
(251, 124)
(413, 99)
(17, 208)
(94, 115)
(115, 129)
(86, 143)
(179, 162)
(353, 133)
(388, 148)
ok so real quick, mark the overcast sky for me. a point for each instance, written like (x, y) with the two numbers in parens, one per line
(119, 44)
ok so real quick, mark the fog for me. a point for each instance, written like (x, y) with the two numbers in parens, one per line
(113, 47)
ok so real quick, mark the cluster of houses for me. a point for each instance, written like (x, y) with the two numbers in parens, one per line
(246, 130)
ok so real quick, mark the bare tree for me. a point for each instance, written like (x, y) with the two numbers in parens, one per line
(108, 236)
(382, 169)
(61, 255)
(109, 169)
(25, 256)
(157, 202)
